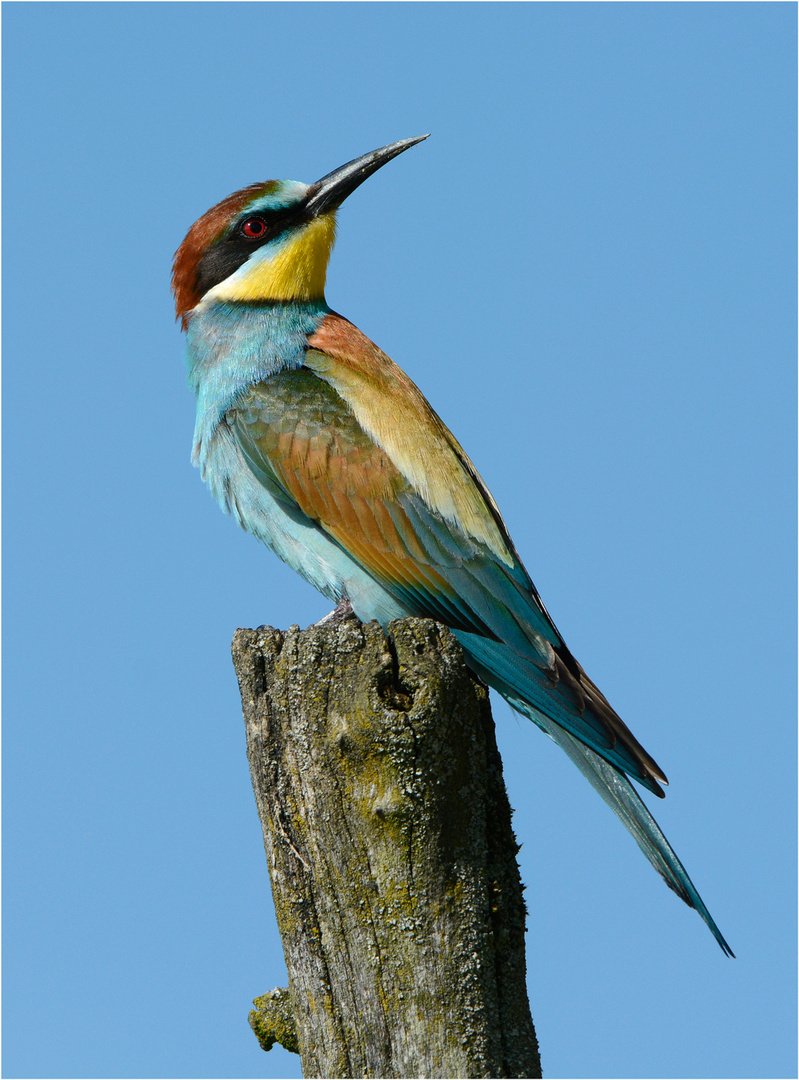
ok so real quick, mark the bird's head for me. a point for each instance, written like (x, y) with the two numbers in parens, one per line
(269, 242)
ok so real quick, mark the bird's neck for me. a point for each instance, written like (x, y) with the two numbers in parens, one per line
(233, 345)
(249, 340)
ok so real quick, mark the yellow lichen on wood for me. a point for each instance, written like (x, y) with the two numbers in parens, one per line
(272, 1020)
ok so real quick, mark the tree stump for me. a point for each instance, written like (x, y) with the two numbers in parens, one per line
(388, 836)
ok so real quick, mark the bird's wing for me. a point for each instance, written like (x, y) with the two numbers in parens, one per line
(303, 442)
(352, 442)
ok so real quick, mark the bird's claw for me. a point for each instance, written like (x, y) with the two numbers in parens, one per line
(342, 610)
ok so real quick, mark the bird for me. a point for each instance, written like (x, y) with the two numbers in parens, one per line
(319, 445)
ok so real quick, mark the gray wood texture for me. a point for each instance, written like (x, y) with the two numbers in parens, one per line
(388, 837)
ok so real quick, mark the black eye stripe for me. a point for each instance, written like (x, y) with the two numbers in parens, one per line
(233, 250)
(273, 221)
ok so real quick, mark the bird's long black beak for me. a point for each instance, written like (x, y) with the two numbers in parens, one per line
(331, 191)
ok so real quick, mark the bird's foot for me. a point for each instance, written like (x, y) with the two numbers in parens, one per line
(343, 610)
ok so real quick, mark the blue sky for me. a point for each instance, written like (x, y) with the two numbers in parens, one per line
(589, 268)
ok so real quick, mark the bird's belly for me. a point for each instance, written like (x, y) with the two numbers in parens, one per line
(293, 537)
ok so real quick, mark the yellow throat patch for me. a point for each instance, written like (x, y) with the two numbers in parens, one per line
(296, 271)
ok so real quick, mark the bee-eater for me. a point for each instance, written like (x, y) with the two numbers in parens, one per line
(322, 447)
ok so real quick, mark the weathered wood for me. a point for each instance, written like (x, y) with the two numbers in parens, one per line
(389, 842)
(272, 1020)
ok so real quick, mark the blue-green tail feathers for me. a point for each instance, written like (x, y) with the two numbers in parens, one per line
(608, 780)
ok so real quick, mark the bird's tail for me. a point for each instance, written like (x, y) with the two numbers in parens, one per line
(621, 797)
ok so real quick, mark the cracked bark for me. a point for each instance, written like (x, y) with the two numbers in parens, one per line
(390, 849)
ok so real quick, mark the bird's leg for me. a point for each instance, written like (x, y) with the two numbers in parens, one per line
(343, 610)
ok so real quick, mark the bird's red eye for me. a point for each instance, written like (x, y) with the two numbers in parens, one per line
(254, 228)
